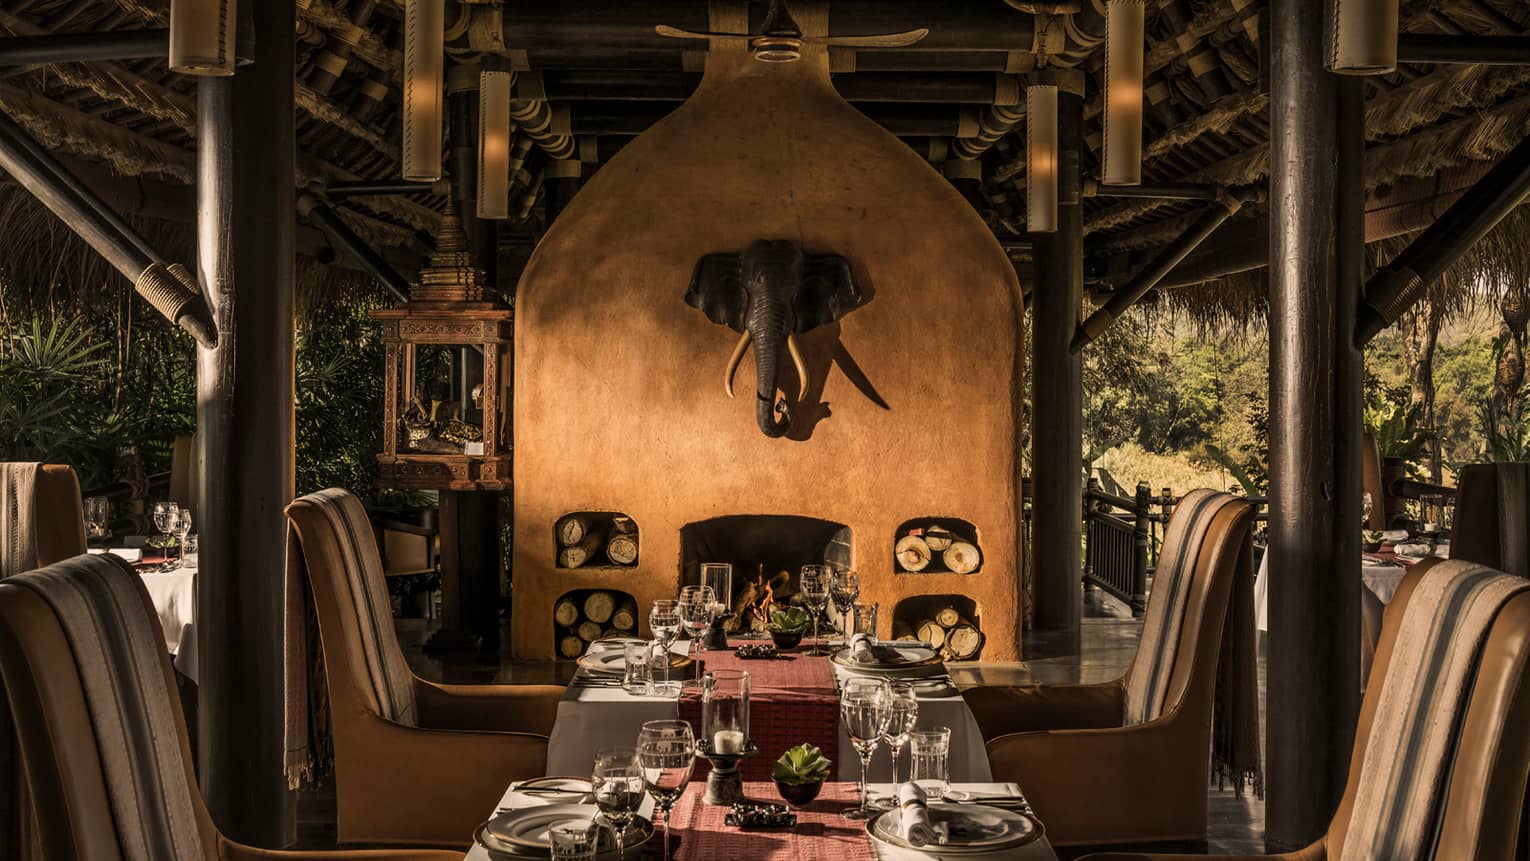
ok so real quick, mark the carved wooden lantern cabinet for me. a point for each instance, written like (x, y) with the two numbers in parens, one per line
(447, 378)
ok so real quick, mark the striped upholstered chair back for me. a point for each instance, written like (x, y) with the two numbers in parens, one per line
(43, 519)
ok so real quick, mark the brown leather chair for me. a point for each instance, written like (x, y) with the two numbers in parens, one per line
(1478, 533)
(1482, 806)
(443, 752)
(1090, 777)
(184, 490)
(58, 516)
(65, 766)
(1370, 481)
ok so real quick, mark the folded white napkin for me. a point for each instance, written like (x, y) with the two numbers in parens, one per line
(914, 823)
(860, 649)
(1442, 550)
(1411, 549)
(130, 554)
(1392, 536)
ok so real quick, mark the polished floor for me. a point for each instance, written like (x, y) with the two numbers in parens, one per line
(1106, 647)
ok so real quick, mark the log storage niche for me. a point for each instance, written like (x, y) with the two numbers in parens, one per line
(582, 616)
(947, 622)
(596, 539)
(937, 545)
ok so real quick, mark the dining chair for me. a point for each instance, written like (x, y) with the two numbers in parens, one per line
(107, 756)
(1475, 812)
(440, 753)
(1492, 520)
(1127, 761)
(184, 489)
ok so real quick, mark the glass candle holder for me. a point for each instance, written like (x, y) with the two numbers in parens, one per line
(725, 712)
(719, 575)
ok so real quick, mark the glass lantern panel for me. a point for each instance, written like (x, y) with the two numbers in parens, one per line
(441, 399)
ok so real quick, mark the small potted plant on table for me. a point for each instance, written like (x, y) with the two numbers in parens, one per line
(786, 626)
(799, 774)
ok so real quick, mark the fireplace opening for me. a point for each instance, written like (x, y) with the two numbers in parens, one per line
(937, 545)
(767, 552)
(949, 623)
(596, 539)
(582, 616)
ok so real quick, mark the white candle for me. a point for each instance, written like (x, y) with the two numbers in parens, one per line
(728, 741)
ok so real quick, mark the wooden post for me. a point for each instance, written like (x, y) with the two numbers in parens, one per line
(245, 227)
(1057, 429)
(469, 572)
(1316, 243)
(1141, 537)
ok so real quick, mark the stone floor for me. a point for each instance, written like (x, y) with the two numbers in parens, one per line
(1107, 645)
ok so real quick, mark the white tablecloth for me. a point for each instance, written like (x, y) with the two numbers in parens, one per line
(1041, 850)
(174, 594)
(1381, 581)
(607, 716)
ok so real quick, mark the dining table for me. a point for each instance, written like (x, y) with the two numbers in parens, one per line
(596, 712)
(698, 832)
(173, 592)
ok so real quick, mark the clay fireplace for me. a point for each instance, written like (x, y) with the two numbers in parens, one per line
(911, 408)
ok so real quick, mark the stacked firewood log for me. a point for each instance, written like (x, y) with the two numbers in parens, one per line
(577, 623)
(934, 548)
(593, 540)
(955, 636)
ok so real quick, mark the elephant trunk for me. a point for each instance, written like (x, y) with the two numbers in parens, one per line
(767, 351)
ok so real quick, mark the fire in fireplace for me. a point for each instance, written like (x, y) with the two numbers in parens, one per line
(767, 551)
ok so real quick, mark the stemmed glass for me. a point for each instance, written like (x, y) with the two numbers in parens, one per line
(619, 789)
(182, 529)
(902, 713)
(845, 589)
(864, 707)
(696, 609)
(664, 620)
(814, 586)
(165, 517)
(667, 751)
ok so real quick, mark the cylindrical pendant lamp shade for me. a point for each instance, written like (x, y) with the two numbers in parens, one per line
(202, 36)
(1124, 48)
(494, 143)
(1362, 37)
(1041, 158)
(424, 97)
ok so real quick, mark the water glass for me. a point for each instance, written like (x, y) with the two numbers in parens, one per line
(637, 675)
(667, 752)
(903, 713)
(863, 710)
(930, 751)
(573, 840)
(98, 516)
(863, 620)
(844, 590)
(189, 555)
(664, 620)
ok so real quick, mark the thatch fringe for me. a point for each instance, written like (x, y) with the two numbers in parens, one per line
(365, 46)
(1481, 137)
(324, 110)
(64, 128)
(1218, 118)
(1402, 110)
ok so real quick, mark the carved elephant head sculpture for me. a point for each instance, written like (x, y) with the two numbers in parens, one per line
(771, 293)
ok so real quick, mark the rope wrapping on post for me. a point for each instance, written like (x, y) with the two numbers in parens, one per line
(172, 291)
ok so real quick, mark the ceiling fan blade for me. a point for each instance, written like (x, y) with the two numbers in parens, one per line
(886, 40)
(677, 33)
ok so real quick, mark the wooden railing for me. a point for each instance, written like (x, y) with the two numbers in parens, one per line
(1117, 539)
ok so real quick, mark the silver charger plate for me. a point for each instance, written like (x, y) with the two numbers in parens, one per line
(975, 829)
(518, 834)
(908, 656)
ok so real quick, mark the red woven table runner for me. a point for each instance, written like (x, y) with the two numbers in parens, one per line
(822, 834)
(792, 700)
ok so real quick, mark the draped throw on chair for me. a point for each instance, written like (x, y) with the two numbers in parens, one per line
(1412, 745)
(18, 483)
(1235, 716)
(106, 615)
(391, 689)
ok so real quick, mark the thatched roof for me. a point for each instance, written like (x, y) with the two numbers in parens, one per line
(132, 122)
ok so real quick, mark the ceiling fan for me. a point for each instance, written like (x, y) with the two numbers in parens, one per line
(781, 40)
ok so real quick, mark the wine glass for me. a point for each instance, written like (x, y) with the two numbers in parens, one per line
(182, 529)
(664, 620)
(696, 609)
(864, 709)
(814, 586)
(98, 516)
(619, 789)
(164, 522)
(666, 751)
(902, 713)
(844, 589)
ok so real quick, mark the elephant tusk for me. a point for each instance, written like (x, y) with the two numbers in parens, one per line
(802, 372)
(738, 355)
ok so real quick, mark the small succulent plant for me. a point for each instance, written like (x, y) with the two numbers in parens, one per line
(789, 621)
(1370, 536)
(804, 763)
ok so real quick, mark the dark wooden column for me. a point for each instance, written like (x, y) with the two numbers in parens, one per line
(1057, 423)
(245, 227)
(1316, 236)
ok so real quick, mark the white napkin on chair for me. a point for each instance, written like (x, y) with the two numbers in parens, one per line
(914, 822)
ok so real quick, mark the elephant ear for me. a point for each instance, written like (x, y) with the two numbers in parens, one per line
(828, 291)
(717, 290)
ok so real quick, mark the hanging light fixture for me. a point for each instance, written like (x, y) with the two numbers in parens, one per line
(1124, 47)
(494, 143)
(1362, 36)
(424, 73)
(1041, 158)
(202, 37)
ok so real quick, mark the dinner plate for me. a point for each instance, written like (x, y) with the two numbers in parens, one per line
(973, 829)
(902, 656)
(522, 833)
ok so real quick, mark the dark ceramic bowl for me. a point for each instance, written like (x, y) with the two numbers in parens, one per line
(786, 639)
(1371, 548)
(799, 794)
